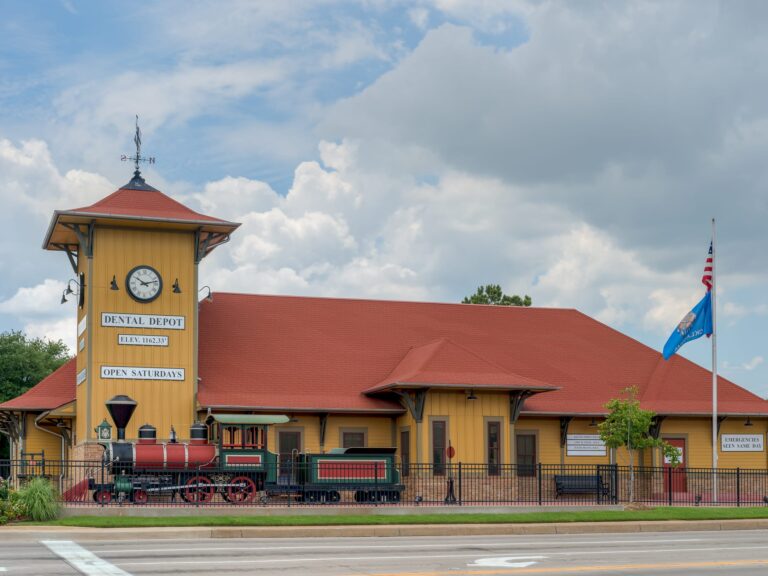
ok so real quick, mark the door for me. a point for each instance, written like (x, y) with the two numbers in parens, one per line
(493, 448)
(405, 451)
(439, 444)
(675, 476)
(288, 445)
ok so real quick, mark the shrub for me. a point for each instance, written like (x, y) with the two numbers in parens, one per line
(38, 500)
(10, 506)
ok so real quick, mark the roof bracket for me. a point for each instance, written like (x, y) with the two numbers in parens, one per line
(84, 233)
(323, 427)
(71, 254)
(415, 403)
(565, 421)
(516, 400)
(205, 245)
(655, 429)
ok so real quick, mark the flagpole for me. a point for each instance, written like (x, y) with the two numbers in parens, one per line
(714, 365)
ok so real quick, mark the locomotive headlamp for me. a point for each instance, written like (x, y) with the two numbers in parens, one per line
(104, 431)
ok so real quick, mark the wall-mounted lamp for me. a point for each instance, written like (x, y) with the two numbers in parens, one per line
(176, 289)
(748, 422)
(113, 284)
(471, 395)
(593, 423)
(210, 293)
(78, 290)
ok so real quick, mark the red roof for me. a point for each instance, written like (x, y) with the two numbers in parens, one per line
(324, 353)
(54, 390)
(445, 364)
(136, 201)
(144, 202)
(295, 353)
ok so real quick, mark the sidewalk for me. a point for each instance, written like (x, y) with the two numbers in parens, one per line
(31, 533)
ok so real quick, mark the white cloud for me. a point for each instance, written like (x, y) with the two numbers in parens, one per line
(37, 300)
(63, 329)
(747, 366)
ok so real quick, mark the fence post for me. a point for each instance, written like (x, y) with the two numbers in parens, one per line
(538, 481)
(738, 486)
(598, 483)
(669, 472)
(376, 483)
(459, 483)
(101, 488)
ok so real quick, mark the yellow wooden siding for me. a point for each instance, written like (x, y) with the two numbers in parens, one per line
(547, 437)
(378, 429)
(37, 441)
(308, 424)
(406, 421)
(466, 423)
(734, 425)
(81, 362)
(698, 434)
(160, 403)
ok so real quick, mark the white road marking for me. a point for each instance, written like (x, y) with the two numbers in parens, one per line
(224, 561)
(82, 560)
(484, 545)
(507, 561)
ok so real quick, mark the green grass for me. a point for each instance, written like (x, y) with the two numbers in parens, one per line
(350, 520)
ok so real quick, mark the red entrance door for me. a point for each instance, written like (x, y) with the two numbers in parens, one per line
(675, 476)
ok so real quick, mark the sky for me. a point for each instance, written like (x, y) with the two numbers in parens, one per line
(573, 151)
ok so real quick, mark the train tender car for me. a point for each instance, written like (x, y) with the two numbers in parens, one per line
(229, 457)
(370, 473)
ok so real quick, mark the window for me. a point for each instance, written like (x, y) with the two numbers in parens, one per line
(525, 448)
(352, 439)
(439, 444)
(405, 451)
(493, 447)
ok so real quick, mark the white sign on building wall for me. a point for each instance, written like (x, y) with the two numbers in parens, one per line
(118, 320)
(741, 442)
(142, 340)
(584, 445)
(141, 373)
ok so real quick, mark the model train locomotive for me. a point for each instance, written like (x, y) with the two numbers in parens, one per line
(229, 457)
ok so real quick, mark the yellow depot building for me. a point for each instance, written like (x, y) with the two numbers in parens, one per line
(493, 386)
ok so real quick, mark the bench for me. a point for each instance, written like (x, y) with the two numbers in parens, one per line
(580, 484)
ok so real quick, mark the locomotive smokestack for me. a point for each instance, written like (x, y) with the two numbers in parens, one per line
(121, 409)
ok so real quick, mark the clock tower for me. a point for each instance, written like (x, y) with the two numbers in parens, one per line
(135, 257)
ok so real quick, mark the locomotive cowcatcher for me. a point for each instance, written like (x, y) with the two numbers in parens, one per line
(229, 456)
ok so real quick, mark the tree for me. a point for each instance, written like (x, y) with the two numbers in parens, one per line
(23, 363)
(629, 426)
(493, 295)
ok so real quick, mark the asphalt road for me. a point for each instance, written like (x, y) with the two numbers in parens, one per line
(691, 553)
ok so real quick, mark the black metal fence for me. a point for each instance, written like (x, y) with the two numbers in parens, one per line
(83, 483)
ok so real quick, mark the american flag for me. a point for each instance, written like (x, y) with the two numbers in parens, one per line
(706, 279)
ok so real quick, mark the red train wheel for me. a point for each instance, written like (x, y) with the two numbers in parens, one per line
(198, 489)
(140, 496)
(241, 490)
(102, 496)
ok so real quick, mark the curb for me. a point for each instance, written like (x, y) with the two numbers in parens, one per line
(15, 534)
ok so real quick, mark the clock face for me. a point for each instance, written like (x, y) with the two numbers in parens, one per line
(144, 283)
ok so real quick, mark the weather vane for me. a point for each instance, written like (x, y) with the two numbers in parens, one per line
(138, 157)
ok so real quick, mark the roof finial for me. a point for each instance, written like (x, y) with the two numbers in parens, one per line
(138, 157)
